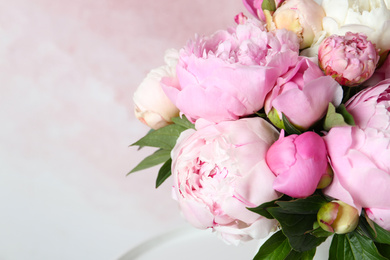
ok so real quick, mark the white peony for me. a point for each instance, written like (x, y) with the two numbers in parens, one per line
(152, 106)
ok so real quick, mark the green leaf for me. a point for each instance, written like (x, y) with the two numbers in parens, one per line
(348, 118)
(268, 5)
(309, 205)
(275, 248)
(290, 128)
(156, 158)
(262, 209)
(297, 228)
(164, 173)
(184, 122)
(164, 138)
(374, 231)
(307, 255)
(341, 117)
(353, 246)
(383, 249)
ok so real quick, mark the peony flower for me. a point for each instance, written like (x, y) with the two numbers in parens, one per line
(370, 17)
(360, 160)
(338, 217)
(382, 73)
(219, 171)
(227, 76)
(349, 59)
(370, 108)
(298, 162)
(304, 17)
(256, 7)
(152, 106)
(303, 95)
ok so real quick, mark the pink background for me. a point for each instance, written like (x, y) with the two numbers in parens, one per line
(67, 71)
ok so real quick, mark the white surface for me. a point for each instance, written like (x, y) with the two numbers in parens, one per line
(67, 71)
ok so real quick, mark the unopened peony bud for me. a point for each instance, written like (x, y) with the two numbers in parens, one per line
(304, 17)
(326, 179)
(298, 162)
(349, 59)
(338, 217)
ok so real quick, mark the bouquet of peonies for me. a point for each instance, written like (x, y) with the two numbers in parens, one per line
(280, 124)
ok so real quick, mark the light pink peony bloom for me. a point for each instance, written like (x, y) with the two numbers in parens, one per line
(298, 162)
(371, 107)
(303, 95)
(151, 105)
(256, 9)
(227, 76)
(220, 170)
(304, 17)
(350, 59)
(361, 163)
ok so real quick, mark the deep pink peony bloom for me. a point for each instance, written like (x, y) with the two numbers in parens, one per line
(350, 59)
(361, 163)
(227, 76)
(299, 162)
(220, 170)
(371, 107)
(303, 95)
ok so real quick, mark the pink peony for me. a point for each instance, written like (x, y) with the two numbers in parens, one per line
(220, 170)
(299, 162)
(361, 163)
(151, 105)
(303, 95)
(349, 59)
(227, 76)
(371, 107)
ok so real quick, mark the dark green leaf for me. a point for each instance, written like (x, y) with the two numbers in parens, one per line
(307, 255)
(275, 248)
(383, 249)
(156, 158)
(297, 229)
(353, 246)
(288, 127)
(164, 173)
(164, 138)
(183, 121)
(309, 205)
(262, 209)
(374, 231)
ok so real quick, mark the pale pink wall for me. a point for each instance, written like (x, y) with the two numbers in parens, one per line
(67, 73)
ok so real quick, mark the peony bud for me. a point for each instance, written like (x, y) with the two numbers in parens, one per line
(304, 17)
(151, 105)
(349, 59)
(326, 179)
(298, 162)
(338, 217)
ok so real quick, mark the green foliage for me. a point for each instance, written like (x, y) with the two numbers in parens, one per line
(337, 117)
(290, 128)
(165, 139)
(353, 246)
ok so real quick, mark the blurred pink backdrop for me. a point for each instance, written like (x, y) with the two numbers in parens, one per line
(67, 71)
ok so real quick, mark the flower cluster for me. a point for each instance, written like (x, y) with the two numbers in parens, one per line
(284, 126)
